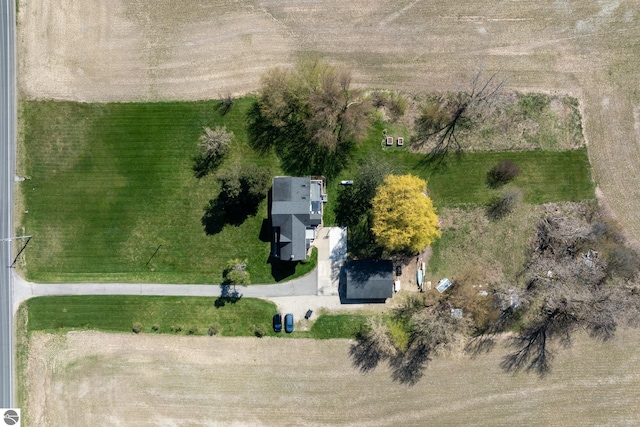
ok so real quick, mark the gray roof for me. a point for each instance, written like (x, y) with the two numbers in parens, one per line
(295, 205)
(369, 279)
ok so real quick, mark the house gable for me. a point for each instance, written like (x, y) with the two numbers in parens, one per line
(296, 210)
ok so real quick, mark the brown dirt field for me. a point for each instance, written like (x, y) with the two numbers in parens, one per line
(116, 50)
(91, 378)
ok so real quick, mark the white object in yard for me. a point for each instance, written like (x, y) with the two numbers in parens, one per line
(443, 285)
(389, 140)
(400, 141)
(396, 286)
(456, 313)
(419, 278)
(429, 285)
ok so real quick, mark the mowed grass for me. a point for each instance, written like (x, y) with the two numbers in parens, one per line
(112, 196)
(176, 315)
(546, 176)
(337, 326)
(112, 183)
(116, 313)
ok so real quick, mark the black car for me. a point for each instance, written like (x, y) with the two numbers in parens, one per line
(277, 322)
(398, 270)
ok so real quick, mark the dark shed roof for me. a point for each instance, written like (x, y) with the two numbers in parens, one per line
(369, 279)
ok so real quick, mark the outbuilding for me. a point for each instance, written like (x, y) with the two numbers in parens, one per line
(369, 280)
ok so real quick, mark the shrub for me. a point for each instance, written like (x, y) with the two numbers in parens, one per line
(137, 327)
(155, 327)
(399, 335)
(260, 331)
(502, 173)
(379, 98)
(503, 205)
(176, 329)
(397, 105)
(193, 330)
(213, 330)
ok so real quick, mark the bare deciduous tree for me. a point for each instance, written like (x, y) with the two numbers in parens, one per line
(568, 288)
(215, 143)
(441, 117)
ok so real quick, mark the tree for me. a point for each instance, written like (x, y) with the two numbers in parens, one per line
(215, 143)
(242, 188)
(235, 273)
(503, 172)
(214, 146)
(404, 219)
(415, 332)
(311, 115)
(567, 290)
(441, 116)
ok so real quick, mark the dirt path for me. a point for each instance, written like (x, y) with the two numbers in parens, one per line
(89, 378)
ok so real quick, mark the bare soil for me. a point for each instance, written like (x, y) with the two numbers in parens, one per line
(91, 378)
(117, 50)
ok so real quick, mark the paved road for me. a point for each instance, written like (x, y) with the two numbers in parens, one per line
(7, 164)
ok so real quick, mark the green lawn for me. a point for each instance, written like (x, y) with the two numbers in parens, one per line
(111, 183)
(337, 326)
(116, 313)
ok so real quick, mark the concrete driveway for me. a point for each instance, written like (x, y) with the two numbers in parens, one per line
(315, 291)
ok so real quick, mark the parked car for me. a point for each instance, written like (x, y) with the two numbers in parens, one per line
(288, 323)
(398, 270)
(277, 322)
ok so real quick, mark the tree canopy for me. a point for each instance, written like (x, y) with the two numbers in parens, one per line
(311, 115)
(235, 273)
(404, 219)
(213, 146)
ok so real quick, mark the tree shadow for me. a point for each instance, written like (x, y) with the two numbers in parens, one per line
(223, 106)
(408, 367)
(366, 353)
(437, 161)
(202, 165)
(480, 344)
(262, 135)
(531, 353)
(219, 213)
(228, 295)
(362, 242)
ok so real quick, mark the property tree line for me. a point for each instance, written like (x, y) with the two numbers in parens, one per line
(580, 276)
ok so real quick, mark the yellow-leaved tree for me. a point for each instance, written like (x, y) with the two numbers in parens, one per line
(404, 219)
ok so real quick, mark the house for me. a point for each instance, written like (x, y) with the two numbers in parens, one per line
(296, 213)
(369, 279)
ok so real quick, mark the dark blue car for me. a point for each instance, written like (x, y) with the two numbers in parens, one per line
(288, 323)
(277, 322)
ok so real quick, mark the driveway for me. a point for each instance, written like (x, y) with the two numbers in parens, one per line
(315, 291)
